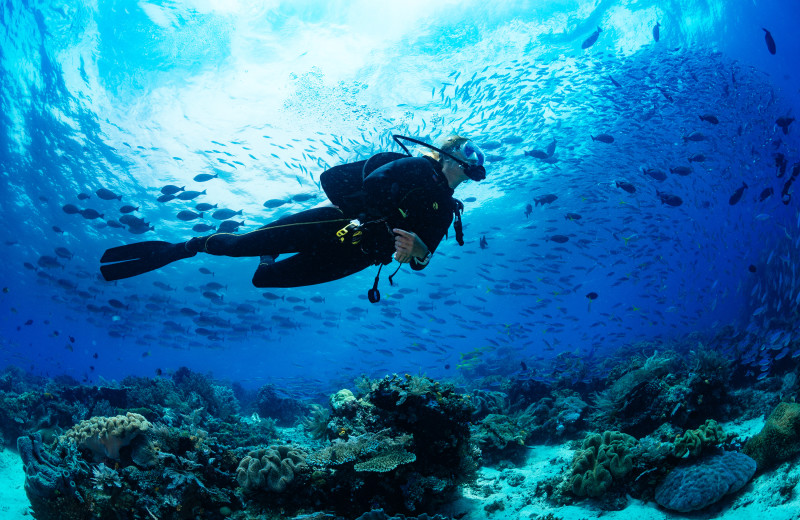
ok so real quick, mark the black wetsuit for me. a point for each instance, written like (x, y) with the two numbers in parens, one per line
(410, 193)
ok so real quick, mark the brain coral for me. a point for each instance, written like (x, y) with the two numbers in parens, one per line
(694, 487)
(779, 439)
(602, 459)
(104, 436)
(273, 468)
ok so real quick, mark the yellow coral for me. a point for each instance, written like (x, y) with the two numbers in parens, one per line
(104, 436)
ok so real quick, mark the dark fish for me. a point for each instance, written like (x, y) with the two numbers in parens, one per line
(603, 138)
(229, 226)
(627, 186)
(58, 230)
(752, 268)
(48, 262)
(90, 214)
(166, 198)
(225, 214)
(139, 229)
(302, 197)
(171, 189)
(203, 177)
(781, 163)
(708, 118)
(698, 157)
(694, 136)
(655, 174)
(71, 209)
(770, 42)
(128, 209)
(669, 199)
(537, 154)
(130, 220)
(592, 295)
(63, 252)
(681, 170)
(470, 199)
(767, 193)
(187, 215)
(737, 194)
(615, 82)
(784, 123)
(117, 304)
(483, 242)
(572, 216)
(528, 210)
(83, 196)
(665, 94)
(202, 228)
(274, 203)
(189, 195)
(106, 194)
(205, 270)
(205, 206)
(656, 34)
(560, 239)
(544, 199)
(588, 42)
(551, 148)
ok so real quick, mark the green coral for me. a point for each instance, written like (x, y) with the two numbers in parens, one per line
(693, 441)
(779, 440)
(601, 459)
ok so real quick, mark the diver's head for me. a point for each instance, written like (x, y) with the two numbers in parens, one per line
(467, 155)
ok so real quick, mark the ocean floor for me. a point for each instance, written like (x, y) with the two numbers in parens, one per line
(14, 504)
(510, 494)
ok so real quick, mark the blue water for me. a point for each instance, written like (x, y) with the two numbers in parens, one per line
(135, 96)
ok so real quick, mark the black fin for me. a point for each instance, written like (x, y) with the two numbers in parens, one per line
(133, 251)
(156, 254)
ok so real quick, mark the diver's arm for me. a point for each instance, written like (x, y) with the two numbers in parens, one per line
(408, 247)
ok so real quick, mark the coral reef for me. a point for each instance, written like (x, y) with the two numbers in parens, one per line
(779, 440)
(272, 469)
(104, 436)
(695, 487)
(499, 438)
(601, 459)
(553, 418)
(692, 442)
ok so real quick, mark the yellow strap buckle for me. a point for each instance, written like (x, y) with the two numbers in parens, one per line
(354, 226)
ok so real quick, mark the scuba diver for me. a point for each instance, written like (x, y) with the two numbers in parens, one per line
(389, 204)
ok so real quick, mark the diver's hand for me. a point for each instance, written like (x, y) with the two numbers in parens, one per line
(408, 245)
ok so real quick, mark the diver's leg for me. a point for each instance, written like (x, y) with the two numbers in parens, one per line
(322, 265)
(302, 231)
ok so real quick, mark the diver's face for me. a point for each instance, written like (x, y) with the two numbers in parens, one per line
(453, 172)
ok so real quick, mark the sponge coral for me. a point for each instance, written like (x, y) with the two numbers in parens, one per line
(104, 436)
(779, 439)
(273, 468)
(601, 459)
